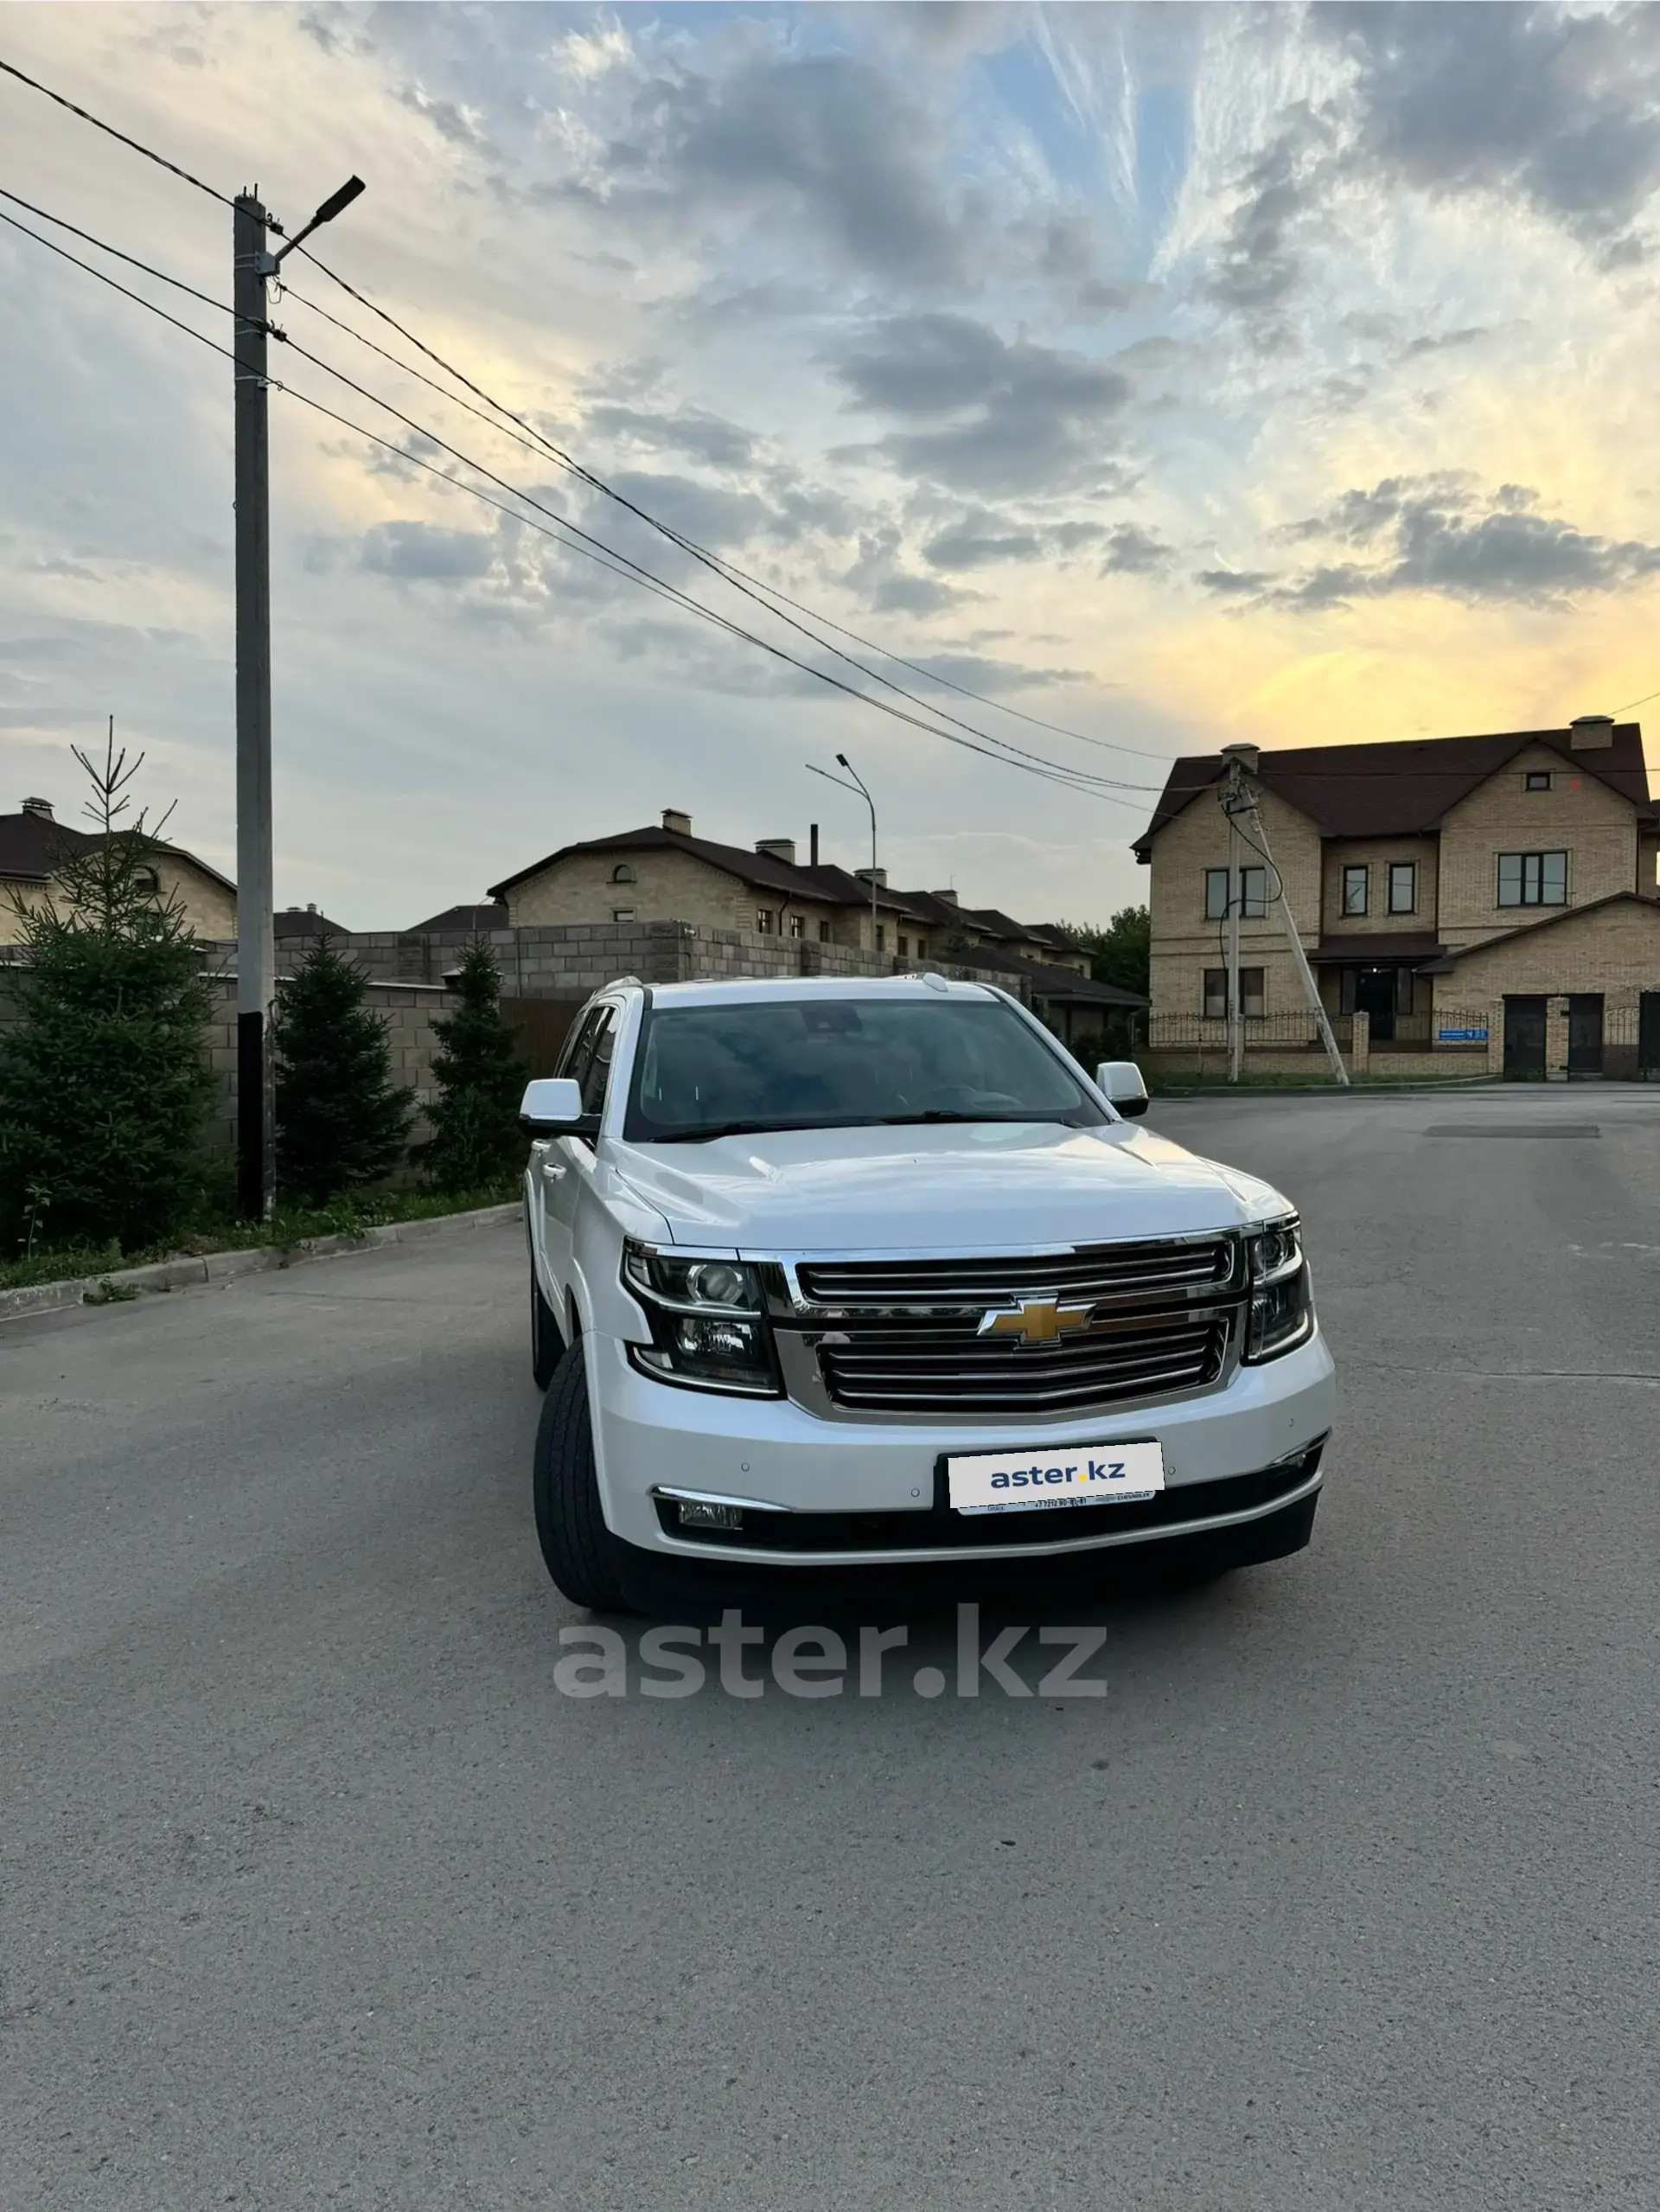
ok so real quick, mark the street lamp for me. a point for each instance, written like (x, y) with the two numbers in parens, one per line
(858, 784)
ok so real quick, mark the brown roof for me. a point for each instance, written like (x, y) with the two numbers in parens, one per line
(290, 922)
(494, 916)
(1383, 947)
(834, 887)
(1400, 790)
(33, 847)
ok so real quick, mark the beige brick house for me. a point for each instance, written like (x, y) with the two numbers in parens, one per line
(33, 844)
(1428, 879)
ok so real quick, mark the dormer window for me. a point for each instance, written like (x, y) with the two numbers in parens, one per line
(621, 872)
(1537, 779)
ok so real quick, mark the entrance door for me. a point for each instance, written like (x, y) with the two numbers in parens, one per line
(1584, 1034)
(1524, 1040)
(1375, 995)
(1648, 1036)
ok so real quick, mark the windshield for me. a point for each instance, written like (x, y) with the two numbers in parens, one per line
(814, 1064)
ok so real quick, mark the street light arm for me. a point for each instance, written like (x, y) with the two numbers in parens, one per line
(335, 204)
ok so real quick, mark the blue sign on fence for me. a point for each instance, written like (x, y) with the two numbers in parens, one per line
(1462, 1036)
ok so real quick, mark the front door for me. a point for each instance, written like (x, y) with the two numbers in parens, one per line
(1584, 1034)
(1375, 995)
(1648, 1036)
(1524, 1040)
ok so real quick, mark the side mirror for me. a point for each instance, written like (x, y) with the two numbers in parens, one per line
(552, 1106)
(1121, 1081)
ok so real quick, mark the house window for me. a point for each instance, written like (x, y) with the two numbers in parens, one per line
(881, 935)
(622, 872)
(1354, 890)
(1533, 879)
(904, 949)
(798, 925)
(1403, 887)
(763, 920)
(1253, 893)
(1250, 994)
(921, 948)
(622, 913)
(1537, 779)
(824, 933)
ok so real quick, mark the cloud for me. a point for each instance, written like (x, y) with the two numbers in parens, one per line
(1003, 416)
(701, 437)
(1440, 533)
(1559, 107)
(826, 146)
(976, 542)
(1133, 551)
(1259, 262)
(977, 672)
(422, 552)
(879, 578)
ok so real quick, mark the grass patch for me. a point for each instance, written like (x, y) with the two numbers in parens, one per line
(291, 1225)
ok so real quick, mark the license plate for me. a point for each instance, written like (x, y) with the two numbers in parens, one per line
(1066, 1474)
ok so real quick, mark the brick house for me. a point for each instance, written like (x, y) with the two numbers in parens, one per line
(33, 846)
(1428, 878)
(665, 873)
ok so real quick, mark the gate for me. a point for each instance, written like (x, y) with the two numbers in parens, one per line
(1648, 1036)
(1584, 1034)
(1524, 1040)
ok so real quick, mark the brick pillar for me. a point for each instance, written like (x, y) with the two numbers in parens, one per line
(1360, 1051)
(1496, 1036)
(1556, 1040)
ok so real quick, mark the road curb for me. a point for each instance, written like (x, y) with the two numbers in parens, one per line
(224, 1267)
(1335, 1091)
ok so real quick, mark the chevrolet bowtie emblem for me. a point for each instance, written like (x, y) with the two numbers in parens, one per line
(1035, 1321)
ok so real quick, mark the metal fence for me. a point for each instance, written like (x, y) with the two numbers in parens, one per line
(1275, 1033)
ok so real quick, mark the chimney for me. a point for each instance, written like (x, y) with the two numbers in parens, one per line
(949, 897)
(678, 823)
(864, 875)
(293, 910)
(813, 845)
(777, 848)
(1247, 756)
(1590, 733)
(40, 808)
(311, 906)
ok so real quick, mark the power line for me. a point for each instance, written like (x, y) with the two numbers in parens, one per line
(103, 246)
(607, 556)
(149, 152)
(741, 579)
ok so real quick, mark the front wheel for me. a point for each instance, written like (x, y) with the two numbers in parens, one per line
(582, 1554)
(547, 1344)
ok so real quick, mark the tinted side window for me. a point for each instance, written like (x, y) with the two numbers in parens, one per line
(594, 1072)
(575, 1048)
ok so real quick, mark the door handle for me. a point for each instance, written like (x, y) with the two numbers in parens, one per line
(551, 1171)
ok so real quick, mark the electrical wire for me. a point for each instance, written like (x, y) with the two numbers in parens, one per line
(149, 152)
(545, 448)
(607, 556)
(103, 246)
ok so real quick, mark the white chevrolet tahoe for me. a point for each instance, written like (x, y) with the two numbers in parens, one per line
(870, 1275)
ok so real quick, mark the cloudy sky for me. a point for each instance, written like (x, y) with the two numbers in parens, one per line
(1168, 374)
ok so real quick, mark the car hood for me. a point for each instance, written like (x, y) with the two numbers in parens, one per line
(977, 1187)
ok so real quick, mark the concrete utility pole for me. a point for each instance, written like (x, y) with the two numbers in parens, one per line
(252, 264)
(1245, 796)
(256, 958)
(1233, 802)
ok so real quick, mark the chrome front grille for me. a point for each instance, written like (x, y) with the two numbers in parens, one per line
(927, 1370)
(1087, 1273)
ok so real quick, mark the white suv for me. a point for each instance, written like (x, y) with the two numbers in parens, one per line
(870, 1275)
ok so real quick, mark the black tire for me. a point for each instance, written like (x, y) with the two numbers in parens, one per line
(547, 1344)
(582, 1554)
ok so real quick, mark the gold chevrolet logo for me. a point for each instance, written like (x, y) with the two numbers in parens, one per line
(1035, 1321)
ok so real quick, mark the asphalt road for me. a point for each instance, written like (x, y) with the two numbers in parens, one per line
(315, 1890)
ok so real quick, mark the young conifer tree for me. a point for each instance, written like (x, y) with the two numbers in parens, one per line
(342, 1121)
(475, 1139)
(104, 1080)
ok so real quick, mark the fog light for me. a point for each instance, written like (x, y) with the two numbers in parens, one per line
(697, 1513)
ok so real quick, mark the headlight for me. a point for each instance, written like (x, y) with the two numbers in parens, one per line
(1282, 1310)
(708, 1331)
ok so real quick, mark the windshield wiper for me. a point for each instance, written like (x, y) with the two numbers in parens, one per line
(706, 1130)
(951, 1114)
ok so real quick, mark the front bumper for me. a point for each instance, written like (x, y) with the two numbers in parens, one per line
(650, 1436)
